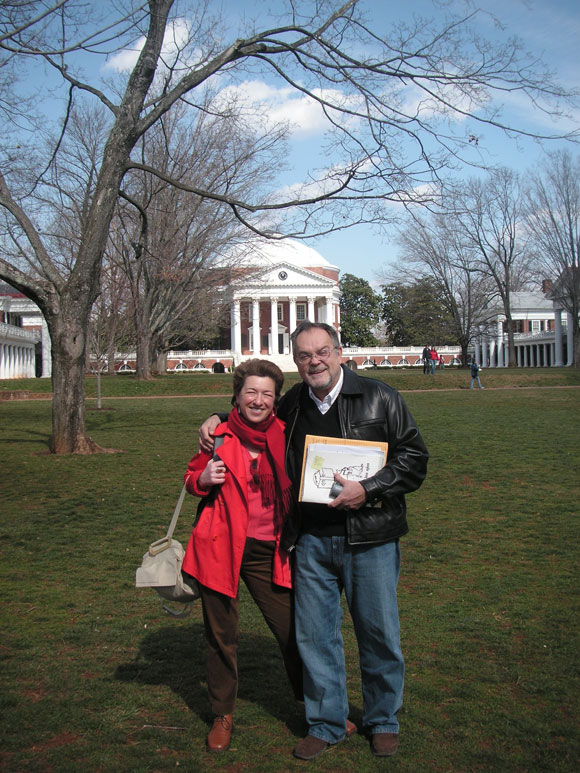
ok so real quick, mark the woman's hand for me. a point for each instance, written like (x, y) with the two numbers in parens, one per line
(213, 475)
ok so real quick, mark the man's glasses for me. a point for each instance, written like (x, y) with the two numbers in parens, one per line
(323, 354)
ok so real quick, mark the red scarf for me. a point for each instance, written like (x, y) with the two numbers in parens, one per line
(268, 436)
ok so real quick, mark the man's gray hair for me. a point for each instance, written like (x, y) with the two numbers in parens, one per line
(306, 325)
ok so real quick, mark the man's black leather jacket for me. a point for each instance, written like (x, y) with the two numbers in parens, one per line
(368, 410)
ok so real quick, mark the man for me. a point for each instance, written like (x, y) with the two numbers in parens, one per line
(474, 367)
(426, 357)
(351, 544)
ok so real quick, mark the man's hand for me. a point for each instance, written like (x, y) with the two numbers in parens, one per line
(206, 431)
(352, 497)
(213, 475)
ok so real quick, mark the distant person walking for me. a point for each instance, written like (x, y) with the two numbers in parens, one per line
(433, 359)
(475, 374)
(426, 357)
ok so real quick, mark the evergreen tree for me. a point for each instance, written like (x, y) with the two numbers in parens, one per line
(359, 311)
(415, 314)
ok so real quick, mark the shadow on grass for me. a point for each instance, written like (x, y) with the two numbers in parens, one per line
(175, 657)
(31, 437)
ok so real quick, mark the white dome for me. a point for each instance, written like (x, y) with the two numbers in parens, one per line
(270, 252)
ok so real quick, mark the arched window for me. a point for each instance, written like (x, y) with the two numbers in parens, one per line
(403, 362)
(386, 363)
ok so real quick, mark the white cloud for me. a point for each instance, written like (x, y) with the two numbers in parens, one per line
(302, 113)
(176, 36)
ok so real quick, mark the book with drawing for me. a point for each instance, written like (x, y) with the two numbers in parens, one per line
(323, 456)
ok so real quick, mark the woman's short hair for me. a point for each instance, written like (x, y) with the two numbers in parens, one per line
(261, 368)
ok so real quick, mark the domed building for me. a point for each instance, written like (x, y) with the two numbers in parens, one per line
(279, 282)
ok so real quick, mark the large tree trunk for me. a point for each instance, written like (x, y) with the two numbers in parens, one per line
(143, 348)
(162, 361)
(69, 435)
(575, 332)
(511, 342)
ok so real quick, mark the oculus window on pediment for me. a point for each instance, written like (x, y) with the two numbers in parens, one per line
(286, 275)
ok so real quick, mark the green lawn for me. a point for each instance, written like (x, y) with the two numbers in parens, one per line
(402, 378)
(96, 677)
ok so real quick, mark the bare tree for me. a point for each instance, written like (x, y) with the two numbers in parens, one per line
(488, 217)
(172, 242)
(110, 329)
(432, 246)
(553, 220)
(390, 103)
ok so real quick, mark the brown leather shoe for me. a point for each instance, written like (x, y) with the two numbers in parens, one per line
(384, 744)
(220, 734)
(309, 748)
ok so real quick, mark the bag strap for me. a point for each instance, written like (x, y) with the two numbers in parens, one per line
(162, 544)
(176, 512)
(185, 612)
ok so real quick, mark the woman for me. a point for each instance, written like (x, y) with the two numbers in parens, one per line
(246, 500)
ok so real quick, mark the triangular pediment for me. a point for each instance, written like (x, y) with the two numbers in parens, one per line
(283, 277)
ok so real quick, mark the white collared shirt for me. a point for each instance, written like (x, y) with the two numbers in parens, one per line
(325, 405)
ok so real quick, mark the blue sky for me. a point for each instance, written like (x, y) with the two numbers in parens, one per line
(548, 28)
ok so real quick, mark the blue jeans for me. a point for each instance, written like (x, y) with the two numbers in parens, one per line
(473, 379)
(368, 574)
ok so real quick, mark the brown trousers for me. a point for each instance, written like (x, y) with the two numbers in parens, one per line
(221, 621)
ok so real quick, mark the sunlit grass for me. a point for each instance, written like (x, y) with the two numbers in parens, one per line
(95, 676)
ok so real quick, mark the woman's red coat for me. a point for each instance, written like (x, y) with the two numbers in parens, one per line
(216, 546)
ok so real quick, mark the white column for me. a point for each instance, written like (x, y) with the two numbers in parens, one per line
(491, 352)
(328, 312)
(46, 351)
(273, 325)
(500, 347)
(256, 326)
(558, 338)
(311, 309)
(569, 339)
(545, 355)
(292, 323)
(236, 330)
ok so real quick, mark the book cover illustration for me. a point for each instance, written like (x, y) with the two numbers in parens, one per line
(323, 457)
